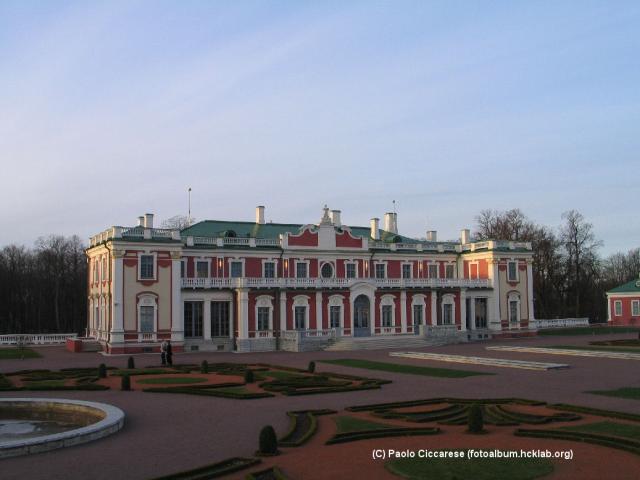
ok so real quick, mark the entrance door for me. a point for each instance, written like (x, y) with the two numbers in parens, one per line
(361, 326)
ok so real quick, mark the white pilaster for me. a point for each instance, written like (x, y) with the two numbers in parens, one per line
(206, 320)
(472, 313)
(319, 324)
(243, 313)
(494, 316)
(177, 323)
(403, 311)
(117, 279)
(283, 311)
(530, 290)
(463, 309)
(434, 307)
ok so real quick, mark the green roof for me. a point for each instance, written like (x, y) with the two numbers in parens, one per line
(221, 228)
(629, 287)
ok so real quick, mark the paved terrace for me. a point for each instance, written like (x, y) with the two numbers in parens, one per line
(165, 433)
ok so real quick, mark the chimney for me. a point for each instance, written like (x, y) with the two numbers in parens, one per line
(465, 236)
(260, 214)
(375, 232)
(432, 236)
(141, 221)
(148, 220)
(391, 222)
(335, 218)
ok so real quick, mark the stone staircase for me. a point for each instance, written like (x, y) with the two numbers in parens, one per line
(382, 342)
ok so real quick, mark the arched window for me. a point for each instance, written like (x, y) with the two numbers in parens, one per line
(264, 313)
(336, 311)
(387, 310)
(300, 312)
(326, 271)
(147, 313)
(448, 314)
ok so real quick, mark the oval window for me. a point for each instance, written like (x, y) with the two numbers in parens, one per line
(326, 271)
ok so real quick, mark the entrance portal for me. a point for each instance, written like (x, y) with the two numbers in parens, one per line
(361, 326)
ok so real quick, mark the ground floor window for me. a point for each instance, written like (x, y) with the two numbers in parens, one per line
(300, 314)
(387, 316)
(447, 314)
(193, 319)
(334, 314)
(635, 308)
(514, 316)
(618, 308)
(263, 318)
(219, 319)
(418, 314)
(146, 319)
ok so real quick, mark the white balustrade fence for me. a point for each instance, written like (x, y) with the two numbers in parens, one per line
(36, 338)
(559, 323)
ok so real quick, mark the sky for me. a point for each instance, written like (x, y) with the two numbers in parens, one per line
(112, 109)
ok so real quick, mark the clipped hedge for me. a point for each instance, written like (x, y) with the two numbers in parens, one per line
(214, 470)
(387, 432)
(430, 401)
(273, 473)
(211, 391)
(596, 411)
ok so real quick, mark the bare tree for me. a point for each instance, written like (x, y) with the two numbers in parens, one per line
(179, 222)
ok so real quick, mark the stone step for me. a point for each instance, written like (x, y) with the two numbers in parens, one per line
(377, 343)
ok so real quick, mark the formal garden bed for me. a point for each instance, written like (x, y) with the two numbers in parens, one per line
(403, 368)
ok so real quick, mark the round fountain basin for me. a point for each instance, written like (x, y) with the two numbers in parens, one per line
(33, 425)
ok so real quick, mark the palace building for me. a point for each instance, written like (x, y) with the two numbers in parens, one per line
(257, 286)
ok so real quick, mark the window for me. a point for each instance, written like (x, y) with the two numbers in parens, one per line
(301, 269)
(449, 271)
(236, 269)
(513, 311)
(433, 271)
(183, 269)
(263, 318)
(146, 319)
(635, 308)
(381, 270)
(447, 314)
(618, 307)
(193, 319)
(269, 270)
(417, 314)
(512, 271)
(219, 319)
(300, 314)
(334, 316)
(146, 267)
(406, 270)
(387, 316)
(202, 269)
(104, 269)
(326, 271)
(95, 271)
(351, 270)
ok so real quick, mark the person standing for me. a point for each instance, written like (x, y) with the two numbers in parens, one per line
(169, 353)
(163, 352)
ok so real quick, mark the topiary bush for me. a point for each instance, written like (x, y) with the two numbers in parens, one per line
(131, 363)
(475, 420)
(102, 371)
(312, 367)
(268, 444)
(248, 376)
(125, 383)
(204, 367)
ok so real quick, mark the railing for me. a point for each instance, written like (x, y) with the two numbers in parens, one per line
(261, 334)
(559, 323)
(147, 337)
(267, 242)
(258, 282)
(137, 232)
(35, 339)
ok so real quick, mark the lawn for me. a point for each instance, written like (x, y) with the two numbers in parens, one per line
(477, 468)
(609, 428)
(15, 353)
(632, 393)
(587, 331)
(348, 424)
(409, 369)
(172, 380)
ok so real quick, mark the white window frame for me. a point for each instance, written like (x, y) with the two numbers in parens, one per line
(355, 266)
(419, 300)
(155, 266)
(235, 260)
(514, 297)
(202, 260)
(275, 267)
(264, 301)
(437, 267)
(635, 307)
(448, 299)
(617, 308)
(300, 301)
(336, 301)
(452, 266)
(410, 265)
(387, 301)
(333, 270)
(375, 269)
(517, 276)
(297, 262)
(147, 300)
(183, 268)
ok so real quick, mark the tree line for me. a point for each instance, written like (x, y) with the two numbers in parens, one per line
(44, 289)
